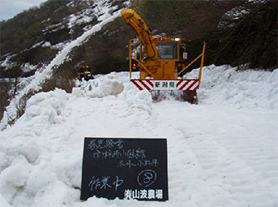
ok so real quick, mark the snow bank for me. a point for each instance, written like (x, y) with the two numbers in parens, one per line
(115, 84)
(27, 170)
(30, 175)
(102, 86)
(251, 89)
(135, 98)
(3, 202)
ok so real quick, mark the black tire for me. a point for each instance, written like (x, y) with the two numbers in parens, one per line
(190, 96)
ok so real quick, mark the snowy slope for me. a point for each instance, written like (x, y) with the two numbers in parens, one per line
(102, 11)
(222, 152)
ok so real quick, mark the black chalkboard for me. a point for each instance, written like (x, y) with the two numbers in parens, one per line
(125, 168)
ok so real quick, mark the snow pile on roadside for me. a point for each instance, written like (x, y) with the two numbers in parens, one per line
(102, 86)
(115, 84)
(135, 98)
(243, 89)
(23, 145)
(36, 170)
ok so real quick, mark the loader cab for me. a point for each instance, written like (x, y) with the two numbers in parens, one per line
(85, 72)
(166, 64)
(167, 50)
(170, 48)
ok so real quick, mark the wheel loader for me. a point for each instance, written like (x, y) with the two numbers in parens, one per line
(85, 73)
(161, 62)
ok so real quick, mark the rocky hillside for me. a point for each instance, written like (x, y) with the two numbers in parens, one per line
(250, 39)
(33, 38)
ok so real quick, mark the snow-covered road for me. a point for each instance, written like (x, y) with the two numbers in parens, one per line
(222, 155)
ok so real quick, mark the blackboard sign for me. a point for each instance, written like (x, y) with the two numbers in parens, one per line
(125, 168)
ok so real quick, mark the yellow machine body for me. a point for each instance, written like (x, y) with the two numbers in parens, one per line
(164, 66)
(157, 58)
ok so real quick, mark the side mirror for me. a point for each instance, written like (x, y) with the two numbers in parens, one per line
(184, 55)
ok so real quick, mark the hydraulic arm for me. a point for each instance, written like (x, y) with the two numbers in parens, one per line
(143, 32)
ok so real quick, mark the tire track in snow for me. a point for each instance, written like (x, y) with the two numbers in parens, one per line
(229, 167)
(236, 180)
(104, 117)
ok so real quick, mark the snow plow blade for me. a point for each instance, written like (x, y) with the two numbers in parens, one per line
(180, 89)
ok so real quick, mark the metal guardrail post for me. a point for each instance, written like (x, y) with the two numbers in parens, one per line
(130, 59)
(202, 62)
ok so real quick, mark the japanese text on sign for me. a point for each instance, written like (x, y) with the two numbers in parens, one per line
(148, 194)
(164, 85)
(125, 168)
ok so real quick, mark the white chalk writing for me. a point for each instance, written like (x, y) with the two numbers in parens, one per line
(106, 144)
(105, 182)
(146, 177)
(137, 163)
(110, 154)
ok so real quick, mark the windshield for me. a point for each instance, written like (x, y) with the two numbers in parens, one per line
(167, 50)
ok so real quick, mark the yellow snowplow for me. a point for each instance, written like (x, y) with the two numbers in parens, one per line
(85, 72)
(161, 62)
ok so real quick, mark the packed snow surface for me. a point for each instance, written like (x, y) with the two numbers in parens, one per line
(221, 152)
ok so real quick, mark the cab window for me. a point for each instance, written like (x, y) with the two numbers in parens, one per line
(166, 50)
